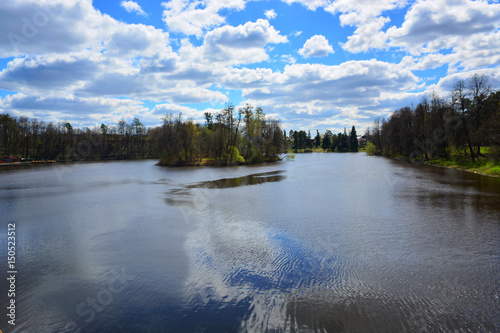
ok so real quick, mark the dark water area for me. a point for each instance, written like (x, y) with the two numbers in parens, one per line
(324, 243)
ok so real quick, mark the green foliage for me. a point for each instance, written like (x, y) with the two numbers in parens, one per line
(229, 137)
(31, 138)
(436, 128)
(317, 139)
(234, 157)
(371, 149)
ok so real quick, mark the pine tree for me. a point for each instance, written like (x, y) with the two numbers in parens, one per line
(327, 141)
(353, 140)
(317, 139)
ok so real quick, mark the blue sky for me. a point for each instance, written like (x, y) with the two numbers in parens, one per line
(313, 64)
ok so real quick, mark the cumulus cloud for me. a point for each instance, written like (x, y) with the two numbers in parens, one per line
(171, 108)
(49, 74)
(316, 46)
(131, 6)
(39, 27)
(316, 89)
(310, 4)
(46, 27)
(365, 15)
(194, 17)
(235, 45)
(361, 12)
(429, 28)
(270, 14)
(367, 36)
(79, 111)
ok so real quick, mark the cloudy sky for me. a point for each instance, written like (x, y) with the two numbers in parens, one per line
(313, 64)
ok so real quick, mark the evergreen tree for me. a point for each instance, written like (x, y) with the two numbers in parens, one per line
(343, 144)
(327, 141)
(353, 140)
(317, 139)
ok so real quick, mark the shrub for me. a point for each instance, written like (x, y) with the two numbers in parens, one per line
(370, 148)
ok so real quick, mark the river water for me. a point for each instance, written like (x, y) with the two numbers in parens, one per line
(323, 243)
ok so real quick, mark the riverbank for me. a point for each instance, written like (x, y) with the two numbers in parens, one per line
(483, 165)
(214, 162)
(13, 164)
(321, 150)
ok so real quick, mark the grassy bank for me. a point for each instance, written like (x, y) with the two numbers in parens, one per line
(482, 165)
(486, 164)
(319, 150)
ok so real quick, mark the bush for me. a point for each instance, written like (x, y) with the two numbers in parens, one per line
(370, 148)
(234, 156)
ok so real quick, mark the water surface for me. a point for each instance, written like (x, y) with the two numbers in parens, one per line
(325, 243)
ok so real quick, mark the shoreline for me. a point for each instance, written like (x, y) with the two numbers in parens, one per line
(456, 167)
(452, 164)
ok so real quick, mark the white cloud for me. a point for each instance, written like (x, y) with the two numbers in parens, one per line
(307, 94)
(194, 17)
(34, 28)
(316, 46)
(428, 61)
(365, 15)
(79, 111)
(288, 58)
(132, 40)
(131, 6)
(170, 108)
(50, 74)
(310, 4)
(367, 36)
(445, 84)
(429, 28)
(361, 12)
(478, 51)
(234, 45)
(58, 26)
(270, 14)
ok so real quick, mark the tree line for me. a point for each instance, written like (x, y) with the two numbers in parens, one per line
(341, 142)
(466, 122)
(227, 137)
(35, 139)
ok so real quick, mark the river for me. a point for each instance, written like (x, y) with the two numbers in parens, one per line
(322, 243)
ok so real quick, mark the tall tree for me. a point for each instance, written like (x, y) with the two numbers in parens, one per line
(353, 140)
(462, 104)
(327, 140)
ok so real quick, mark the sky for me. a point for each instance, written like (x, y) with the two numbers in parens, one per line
(312, 64)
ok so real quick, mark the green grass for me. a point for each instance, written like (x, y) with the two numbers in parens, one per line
(484, 165)
(489, 168)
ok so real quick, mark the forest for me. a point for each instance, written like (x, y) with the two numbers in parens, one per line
(300, 141)
(228, 137)
(467, 124)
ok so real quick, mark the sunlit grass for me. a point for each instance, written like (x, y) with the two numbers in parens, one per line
(459, 160)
